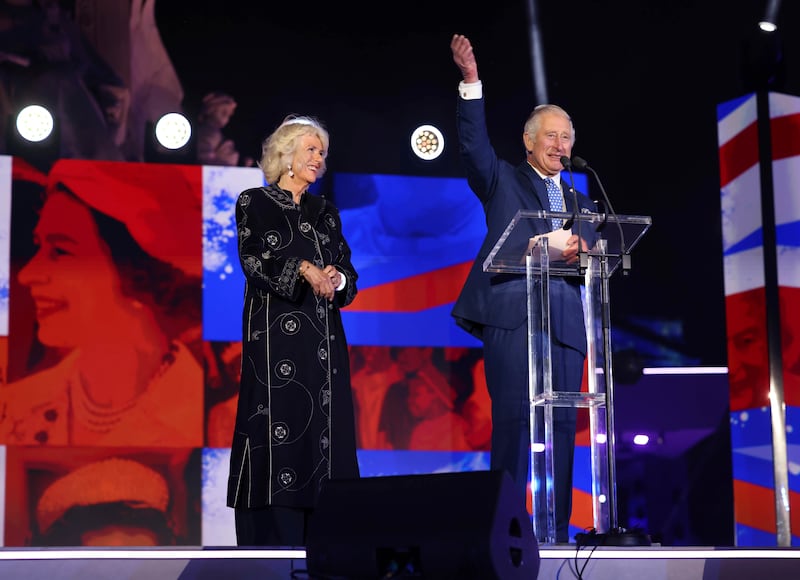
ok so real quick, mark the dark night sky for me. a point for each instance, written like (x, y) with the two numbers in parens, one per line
(641, 80)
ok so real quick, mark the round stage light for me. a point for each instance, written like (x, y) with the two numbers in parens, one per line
(173, 130)
(427, 142)
(35, 123)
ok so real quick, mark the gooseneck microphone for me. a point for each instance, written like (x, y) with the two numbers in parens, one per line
(582, 257)
(567, 163)
(580, 164)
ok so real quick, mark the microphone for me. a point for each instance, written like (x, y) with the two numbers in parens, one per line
(580, 164)
(566, 162)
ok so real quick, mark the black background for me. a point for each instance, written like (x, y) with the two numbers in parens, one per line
(641, 79)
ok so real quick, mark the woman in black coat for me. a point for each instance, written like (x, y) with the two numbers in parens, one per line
(295, 425)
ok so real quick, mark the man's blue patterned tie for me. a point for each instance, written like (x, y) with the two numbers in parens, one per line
(556, 201)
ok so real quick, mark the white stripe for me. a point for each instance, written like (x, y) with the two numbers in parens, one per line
(786, 180)
(741, 207)
(789, 267)
(744, 271)
(782, 105)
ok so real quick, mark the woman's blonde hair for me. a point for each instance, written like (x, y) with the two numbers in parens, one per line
(277, 150)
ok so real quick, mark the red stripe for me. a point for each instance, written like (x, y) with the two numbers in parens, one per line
(582, 509)
(738, 155)
(741, 153)
(785, 136)
(413, 294)
(754, 506)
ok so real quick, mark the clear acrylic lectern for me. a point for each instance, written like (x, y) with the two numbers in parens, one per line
(520, 251)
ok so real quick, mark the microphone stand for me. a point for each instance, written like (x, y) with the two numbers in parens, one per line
(581, 164)
(583, 257)
(616, 536)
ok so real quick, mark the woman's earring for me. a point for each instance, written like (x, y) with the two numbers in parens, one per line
(291, 173)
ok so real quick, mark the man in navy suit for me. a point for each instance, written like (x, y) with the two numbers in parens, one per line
(493, 306)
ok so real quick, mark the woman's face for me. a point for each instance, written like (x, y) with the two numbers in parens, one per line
(309, 159)
(71, 277)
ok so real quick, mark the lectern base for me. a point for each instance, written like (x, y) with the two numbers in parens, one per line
(619, 537)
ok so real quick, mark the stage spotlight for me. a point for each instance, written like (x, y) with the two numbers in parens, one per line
(173, 131)
(770, 21)
(34, 123)
(427, 142)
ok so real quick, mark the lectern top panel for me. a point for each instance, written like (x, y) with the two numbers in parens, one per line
(619, 233)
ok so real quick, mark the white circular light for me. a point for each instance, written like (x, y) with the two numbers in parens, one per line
(767, 26)
(35, 123)
(427, 142)
(173, 130)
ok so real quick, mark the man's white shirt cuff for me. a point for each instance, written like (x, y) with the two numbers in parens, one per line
(470, 91)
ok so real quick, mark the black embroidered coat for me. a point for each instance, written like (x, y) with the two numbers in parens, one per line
(295, 424)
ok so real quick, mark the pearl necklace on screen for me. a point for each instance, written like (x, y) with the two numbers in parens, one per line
(100, 418)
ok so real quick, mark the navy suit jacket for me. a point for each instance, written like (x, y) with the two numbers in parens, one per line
(500, 300)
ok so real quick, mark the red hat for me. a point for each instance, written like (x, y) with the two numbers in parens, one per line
(161, 204)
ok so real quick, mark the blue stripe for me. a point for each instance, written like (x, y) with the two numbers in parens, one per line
(725, 109)
(432, 327)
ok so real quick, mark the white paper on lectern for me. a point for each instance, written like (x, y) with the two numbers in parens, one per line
(556, 243)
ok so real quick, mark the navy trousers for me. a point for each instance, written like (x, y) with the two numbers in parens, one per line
(506, 366)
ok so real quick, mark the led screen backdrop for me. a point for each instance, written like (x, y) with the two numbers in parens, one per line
(746, 291)
(123, 292)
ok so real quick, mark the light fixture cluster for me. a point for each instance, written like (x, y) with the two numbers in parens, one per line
(427, 142)
(173, 132)
(35, 124)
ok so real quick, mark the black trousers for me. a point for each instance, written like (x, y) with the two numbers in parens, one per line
(272, 526)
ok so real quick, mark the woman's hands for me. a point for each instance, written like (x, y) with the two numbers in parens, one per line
(323, 282)
(334, 275)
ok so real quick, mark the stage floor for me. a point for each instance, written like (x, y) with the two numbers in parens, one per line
(559, 562)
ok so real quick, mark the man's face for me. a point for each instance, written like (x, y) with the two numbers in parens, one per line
(552, 140)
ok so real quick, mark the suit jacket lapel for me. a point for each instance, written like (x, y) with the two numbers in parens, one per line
(526, 172)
